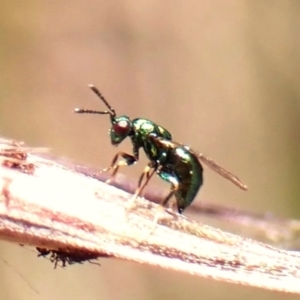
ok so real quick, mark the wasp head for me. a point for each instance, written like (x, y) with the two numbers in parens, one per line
(120, 129)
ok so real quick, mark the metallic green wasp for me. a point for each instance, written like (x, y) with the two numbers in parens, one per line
(171, 161)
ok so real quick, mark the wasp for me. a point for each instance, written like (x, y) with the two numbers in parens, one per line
(171, 161)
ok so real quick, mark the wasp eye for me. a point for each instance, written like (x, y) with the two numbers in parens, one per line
(121, 128)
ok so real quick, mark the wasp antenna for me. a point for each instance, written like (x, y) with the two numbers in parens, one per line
(89, 111)
(97, 92)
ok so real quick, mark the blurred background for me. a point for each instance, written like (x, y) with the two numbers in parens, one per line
(222, 76)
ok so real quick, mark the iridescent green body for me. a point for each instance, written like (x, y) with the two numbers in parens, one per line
(173, 162)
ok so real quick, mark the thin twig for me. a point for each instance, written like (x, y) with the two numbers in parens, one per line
(56, 207)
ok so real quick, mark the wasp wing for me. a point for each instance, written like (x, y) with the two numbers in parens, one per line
(217, 168)
(207, 161)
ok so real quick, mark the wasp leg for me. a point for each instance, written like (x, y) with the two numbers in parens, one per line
(164, 203)
(115, 164)
(159, 213)
(148, 172)
(174, 187)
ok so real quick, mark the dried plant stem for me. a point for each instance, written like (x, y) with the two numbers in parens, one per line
(57, 207)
